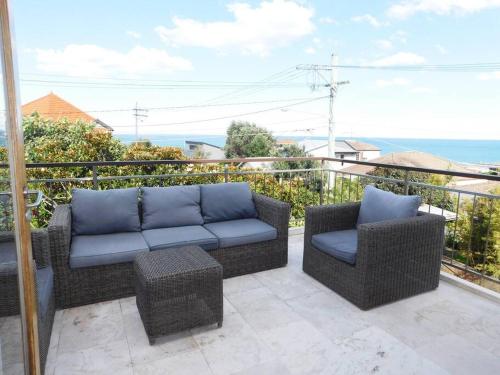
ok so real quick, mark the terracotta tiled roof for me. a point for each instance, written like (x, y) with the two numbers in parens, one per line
(53, 107)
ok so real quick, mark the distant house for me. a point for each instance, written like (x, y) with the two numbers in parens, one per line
(206, 150)
(366, 151)
(350, 150)
(55, 108)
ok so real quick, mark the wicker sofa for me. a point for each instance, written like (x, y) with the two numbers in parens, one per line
(246, 232)
(394, 259)
(9, 291)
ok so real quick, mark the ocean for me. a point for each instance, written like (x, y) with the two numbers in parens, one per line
(465, 151)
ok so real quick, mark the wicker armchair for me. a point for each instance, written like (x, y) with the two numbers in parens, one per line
(9, 291)
(85, 285)
(395, 258)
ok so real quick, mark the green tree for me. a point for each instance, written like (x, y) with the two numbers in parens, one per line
(245, 139)
(477, 238)
(293, 151)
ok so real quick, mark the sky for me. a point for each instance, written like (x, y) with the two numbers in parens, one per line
(197, 65)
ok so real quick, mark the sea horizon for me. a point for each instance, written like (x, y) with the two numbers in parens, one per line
(458, 150)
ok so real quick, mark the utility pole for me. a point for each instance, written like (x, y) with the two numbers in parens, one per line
(333, 83)
(138, 112)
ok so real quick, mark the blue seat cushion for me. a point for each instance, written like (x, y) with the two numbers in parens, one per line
(228, 201)
(380, 205)
(174, 206)
(164, 238)
(242, 232)
(105, 211)
(8, 257)
(342, 244)
(102, 249)
(44, 288)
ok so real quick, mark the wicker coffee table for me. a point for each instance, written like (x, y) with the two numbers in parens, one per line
(177, 289)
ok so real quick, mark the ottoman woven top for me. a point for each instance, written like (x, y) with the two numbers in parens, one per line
(159, 264)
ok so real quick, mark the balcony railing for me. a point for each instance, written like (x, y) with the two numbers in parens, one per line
(472, 248)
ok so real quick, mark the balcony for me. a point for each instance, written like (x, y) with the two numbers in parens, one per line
(282, 321)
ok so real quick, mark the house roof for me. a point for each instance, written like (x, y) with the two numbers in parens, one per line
(315, 144)
(410, 159)
(55, 108)
(361, 146)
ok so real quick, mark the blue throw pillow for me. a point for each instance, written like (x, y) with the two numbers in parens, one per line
(230, 201)
(174, 206)
(105, 211)
(380, 205)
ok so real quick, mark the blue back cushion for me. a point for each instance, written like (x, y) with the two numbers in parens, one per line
(105, 211)
(380, 205)
(230, 201)
(174, 206)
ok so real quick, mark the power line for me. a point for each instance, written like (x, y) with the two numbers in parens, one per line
(473, 67)
(94, 84)
(231, 116)
(188, 106)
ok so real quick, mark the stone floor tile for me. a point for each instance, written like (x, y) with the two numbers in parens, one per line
(240, 284)
(140, 349)
(459, 356)
(110, 358)
(91, 325)
(189, 363)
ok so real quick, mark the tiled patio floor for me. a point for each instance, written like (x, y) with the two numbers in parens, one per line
(284, 322)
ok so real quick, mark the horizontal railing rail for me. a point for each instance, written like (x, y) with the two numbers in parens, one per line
(91, 164)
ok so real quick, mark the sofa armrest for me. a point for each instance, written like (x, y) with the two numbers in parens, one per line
(327, 218)
(60, 235)
(40, 247)
(274, 212)
(7, 236)
(397, 242)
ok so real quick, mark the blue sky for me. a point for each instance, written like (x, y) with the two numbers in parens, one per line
(117, 51)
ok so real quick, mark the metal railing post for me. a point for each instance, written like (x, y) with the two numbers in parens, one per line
(95, 185)
(226, 173)
(407, 187)
(322, 182)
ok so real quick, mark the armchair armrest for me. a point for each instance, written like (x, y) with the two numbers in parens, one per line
(327, 218)
(399, 241)
(60, 235)
(273, 212)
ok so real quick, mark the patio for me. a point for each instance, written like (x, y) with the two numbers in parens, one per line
(283, 322)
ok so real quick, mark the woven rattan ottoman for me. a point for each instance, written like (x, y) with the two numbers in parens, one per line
(177, 289)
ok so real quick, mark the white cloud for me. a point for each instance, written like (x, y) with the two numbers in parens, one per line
(400, 58)
(383, 44)
(489, 76)
(310, 50)
(328, 21)
(422, 90)
(368, 18)
(400, 36)
(392, 82)
(134, 34)
(92, 60)
(256, 30)
(408, 8)
(441, 49)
